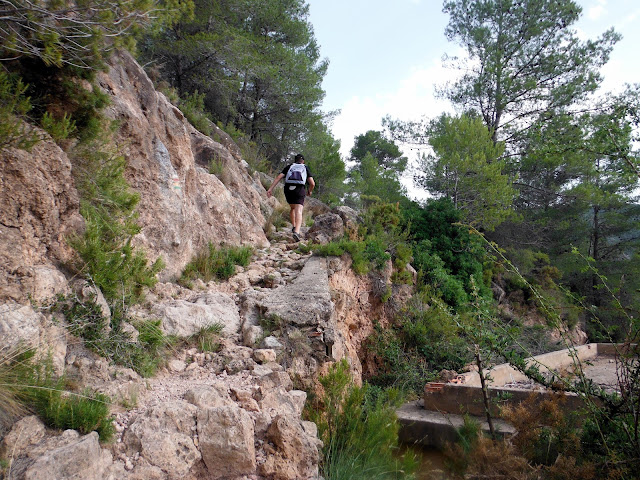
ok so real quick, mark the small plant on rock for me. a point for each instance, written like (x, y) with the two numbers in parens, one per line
(207, 339)
(216, 263)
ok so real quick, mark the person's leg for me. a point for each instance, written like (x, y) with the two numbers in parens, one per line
(298, 217)
(292, 215)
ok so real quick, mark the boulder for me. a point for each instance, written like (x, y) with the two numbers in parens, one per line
(326, 227)
(22, 327)
(264, 355)
(349, 216)
(226, 441)
(209, 396)
(186, 317)
(19, 325)
(280, 402)
(296, 453)
(82, 459)
(25, 432)
(315, 206)
(163, 435)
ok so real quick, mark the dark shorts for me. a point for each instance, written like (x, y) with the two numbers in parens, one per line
(295, 195)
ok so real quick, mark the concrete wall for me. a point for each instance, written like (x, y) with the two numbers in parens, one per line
(466, 399)
(552, 361)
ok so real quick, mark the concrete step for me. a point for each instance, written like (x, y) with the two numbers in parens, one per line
(436, 429)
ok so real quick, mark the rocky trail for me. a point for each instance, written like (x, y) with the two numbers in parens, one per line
(232, 414)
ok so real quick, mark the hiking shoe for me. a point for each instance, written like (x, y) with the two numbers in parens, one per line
(296, 237)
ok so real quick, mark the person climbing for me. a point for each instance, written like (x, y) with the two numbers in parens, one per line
(296, 177)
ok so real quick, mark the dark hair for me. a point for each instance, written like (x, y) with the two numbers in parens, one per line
(298, 157)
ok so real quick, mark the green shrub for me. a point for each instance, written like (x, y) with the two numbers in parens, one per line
(359, 430)
(194, 111)
(360, 264)
(375, 252)
(445, 253)
(37, 388)
(216, 263)
(85, 320)
(14, 106)
(207, 339)
(59, 129)
(424, 340)
(108, 207)
(216, 167)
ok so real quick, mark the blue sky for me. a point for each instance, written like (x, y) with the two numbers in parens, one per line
(385, 57)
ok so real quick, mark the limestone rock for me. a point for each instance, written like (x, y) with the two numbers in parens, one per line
(22, 327)
(315, 206)
(296, 456)
(349, 216)
(89, 292)
(186, 317)
(326, 227)
(226, 441)
(79, 460)
(279, 401)
(39, 210)
(209, 396)
(25, 432)
(271, 343)
(163, 435)
(176, 365)
(264, 355)
(19, 325)
(182, 206)
(274, 380)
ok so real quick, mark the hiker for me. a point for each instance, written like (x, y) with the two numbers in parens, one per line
(296, 176)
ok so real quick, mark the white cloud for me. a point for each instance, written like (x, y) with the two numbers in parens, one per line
(597, 11)
(413, 98)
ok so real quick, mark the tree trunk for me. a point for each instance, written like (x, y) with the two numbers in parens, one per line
(485, 393)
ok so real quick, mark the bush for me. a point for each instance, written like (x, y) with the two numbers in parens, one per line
(424, 340)
(446, 254)
(85, 320)
(216, 263)
(207, 339)
(36, 387)
(14, 106)
(359, 430)
(59, 129)
(108, 207)
(194, 111)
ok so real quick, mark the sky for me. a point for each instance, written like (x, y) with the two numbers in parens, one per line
(385, 57)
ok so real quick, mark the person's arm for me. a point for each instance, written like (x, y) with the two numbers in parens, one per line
(275, 182)
(311, 186)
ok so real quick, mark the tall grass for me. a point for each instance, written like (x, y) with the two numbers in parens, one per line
(359, 429)
(216, 263)
(27, 385)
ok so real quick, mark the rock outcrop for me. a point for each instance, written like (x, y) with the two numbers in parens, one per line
(39, 210)
(182, 206)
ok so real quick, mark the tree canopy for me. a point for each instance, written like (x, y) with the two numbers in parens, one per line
(257, 64)
(466, 167)
(525, 61)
